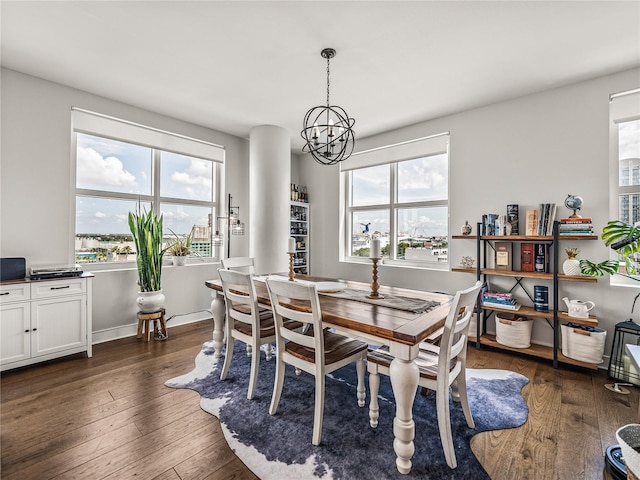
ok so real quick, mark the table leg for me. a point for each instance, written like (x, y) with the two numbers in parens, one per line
(217, 309)
(404, 381)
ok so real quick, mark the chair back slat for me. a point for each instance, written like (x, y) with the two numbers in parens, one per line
(240, 264)
(454, 337)
(299, 302)
(239, 290)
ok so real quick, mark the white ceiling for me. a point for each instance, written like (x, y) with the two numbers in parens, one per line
(232, 65)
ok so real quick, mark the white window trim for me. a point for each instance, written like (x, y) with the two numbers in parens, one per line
(92, 123)
(625, 109)
(392, 155)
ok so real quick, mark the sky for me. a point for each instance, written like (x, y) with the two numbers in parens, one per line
(110, 165)
(420, 179)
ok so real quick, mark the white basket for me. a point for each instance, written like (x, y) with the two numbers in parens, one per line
(513, 331)
(583, 345)
(629, 440)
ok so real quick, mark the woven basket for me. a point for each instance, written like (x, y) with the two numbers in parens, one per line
(629, 440)
(583, 345)
(513, 331)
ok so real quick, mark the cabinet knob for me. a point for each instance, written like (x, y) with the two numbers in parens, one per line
(26, 331)
(34, 329)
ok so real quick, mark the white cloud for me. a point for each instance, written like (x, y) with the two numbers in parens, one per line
(95, 170)
(100, 215)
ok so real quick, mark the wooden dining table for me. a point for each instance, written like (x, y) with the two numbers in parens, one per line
(377, 324)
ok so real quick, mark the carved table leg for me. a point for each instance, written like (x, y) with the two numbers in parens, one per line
(404, 380)
(217, 309)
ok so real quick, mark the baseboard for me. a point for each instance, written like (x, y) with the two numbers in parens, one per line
(114, 333)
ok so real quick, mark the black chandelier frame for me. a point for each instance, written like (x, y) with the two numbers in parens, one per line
(327, 129)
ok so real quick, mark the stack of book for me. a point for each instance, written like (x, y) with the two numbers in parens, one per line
(575, 226)
(499, 300)
(540, 221)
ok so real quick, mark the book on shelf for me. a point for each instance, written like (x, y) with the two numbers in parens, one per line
(551, 219)
(541, 258)
(499, 300)
(514, 306)
(503, 256)
(532, 223)
(575, 226)
(527, 257)
(584, 233)
(546, 216)
(513, 213)
(576, 220)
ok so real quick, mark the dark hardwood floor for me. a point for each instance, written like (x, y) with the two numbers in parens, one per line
(110, 416)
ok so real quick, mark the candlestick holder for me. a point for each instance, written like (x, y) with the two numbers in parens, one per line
(291, 272)
(374, 281)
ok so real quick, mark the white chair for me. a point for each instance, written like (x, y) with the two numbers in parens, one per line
(240, 264)
(440, 367)
(247, 322)
(318, 351)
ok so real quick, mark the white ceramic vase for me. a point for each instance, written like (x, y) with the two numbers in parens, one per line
(571, 266)
(150, 301)
(179, 261)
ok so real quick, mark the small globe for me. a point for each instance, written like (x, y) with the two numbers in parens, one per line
(573, 202)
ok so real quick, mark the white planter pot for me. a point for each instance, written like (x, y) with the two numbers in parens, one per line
(571, 267)
(150, 301)
(179, 261)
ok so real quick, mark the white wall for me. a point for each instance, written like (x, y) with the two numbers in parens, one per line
(529, 150)
(37, 195)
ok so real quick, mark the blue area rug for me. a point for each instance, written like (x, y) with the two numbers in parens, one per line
(279, 447)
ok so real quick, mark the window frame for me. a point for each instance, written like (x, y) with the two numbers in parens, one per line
(624, 112)
(154, 199)
(393, 206)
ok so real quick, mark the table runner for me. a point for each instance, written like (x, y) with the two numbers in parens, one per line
(398, 302)
(415, 305)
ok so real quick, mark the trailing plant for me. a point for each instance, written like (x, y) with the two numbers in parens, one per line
(616, 231)
(146, 228)
(628, 237)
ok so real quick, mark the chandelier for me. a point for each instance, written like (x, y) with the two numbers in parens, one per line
(328, 130)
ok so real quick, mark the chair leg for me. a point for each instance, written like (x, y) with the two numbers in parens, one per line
(267, 351)
(255, 365)
(249, 348)
(319, 409)
(461, 383)
(374, 408)
(444, 425)
(228, 355)
(361, 392)
(277, 386)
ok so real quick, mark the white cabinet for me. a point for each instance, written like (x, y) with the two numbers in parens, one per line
(15, 332)
(41, 320)
(299, 229)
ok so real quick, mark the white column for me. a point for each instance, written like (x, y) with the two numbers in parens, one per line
(269, 196)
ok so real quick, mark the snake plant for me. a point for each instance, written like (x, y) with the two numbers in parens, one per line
(146, 228)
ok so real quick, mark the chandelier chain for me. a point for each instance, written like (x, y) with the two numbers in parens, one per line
(328, 83)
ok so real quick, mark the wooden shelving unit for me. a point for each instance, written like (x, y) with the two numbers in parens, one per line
(553, 316)
(299, 229)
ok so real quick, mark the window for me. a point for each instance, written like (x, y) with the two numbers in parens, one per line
(115, 175)
(625, 161)
(400, 193)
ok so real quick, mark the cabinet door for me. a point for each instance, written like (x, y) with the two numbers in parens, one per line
(15, 332)
(58, 324)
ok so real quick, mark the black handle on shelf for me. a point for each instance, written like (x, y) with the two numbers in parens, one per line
(5, 293)
(60, 288)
